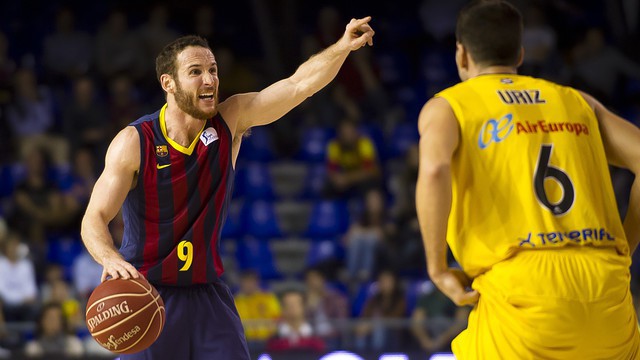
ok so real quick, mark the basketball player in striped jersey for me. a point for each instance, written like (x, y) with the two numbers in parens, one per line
(171, 172)
(514, 177)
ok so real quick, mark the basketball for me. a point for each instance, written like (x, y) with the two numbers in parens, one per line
(125, 316)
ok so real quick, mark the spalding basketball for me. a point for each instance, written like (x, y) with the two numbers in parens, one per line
(125, 316)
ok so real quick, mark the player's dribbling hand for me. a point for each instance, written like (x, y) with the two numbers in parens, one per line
(358, 33)
(116, 268)
(454, 284)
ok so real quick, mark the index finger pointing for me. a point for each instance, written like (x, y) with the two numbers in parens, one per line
(360, 22)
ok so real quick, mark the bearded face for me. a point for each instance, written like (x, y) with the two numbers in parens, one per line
(189, 102)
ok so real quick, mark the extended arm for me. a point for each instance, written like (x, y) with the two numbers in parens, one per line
(122, 162)
(439, 136)
(622, 144)
(260, 108)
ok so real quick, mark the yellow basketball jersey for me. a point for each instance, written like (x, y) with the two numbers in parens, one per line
(530, 172)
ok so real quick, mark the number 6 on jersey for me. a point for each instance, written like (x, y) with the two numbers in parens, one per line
(543, 171)
(185, 253)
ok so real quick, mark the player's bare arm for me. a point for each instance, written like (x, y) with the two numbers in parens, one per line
(121, 165)
(622, 145)
(243, 111)
(439, 137)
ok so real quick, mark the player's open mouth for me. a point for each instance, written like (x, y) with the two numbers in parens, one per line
(206, 96)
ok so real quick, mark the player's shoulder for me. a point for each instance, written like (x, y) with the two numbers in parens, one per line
(147, 118)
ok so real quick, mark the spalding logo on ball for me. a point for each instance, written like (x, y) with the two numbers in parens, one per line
(125, 316)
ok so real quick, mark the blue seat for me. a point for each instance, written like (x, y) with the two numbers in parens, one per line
(313, 144)
(364, 291)
(329, 218)
(256, 181)
(315, 181)
(403, 136)
(255, 254)
(258, 146)
(10, 176)
(258, 218)
(63, 250)
(324, 250)
(232, 227)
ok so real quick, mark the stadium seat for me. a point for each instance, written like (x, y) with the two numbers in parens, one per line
(258, 218)
(10, 177)
(402, 137)
(360, 298)
(329, 218)
(323, 250)
(315, 181)
(256, 181)
(232, 226)
(258, 146)
(313, 144)
(255, 254)
(63, 250)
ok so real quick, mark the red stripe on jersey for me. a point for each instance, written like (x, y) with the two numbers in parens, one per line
(225, 158)
(149, 173)
(170, 266)
(199, 273)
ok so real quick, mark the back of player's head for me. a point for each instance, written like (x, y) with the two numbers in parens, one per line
(491, 30)
(166, 60)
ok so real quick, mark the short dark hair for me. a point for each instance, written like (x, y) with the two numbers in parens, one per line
(491, 30)
(166, 60)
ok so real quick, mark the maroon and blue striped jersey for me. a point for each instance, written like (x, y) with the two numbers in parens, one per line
(174, 215)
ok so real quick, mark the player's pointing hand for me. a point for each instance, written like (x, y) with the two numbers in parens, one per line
(358, 33)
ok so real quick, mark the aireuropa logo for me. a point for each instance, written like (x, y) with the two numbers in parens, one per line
(495, 131)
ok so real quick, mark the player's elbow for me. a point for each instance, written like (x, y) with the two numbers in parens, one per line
(435, 169)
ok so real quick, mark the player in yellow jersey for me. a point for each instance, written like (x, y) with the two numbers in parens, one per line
(514, 177)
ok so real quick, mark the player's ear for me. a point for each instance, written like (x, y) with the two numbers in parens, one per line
(462, 56)
(167, 83)
(520, 56)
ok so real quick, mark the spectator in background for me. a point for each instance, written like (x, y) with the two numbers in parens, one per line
(7, 70)
(538, 41)
(37, 203)
(436, 320)
(52, 274)
(117, 48)
(30, 116)
(598, 66)
(85, 118)
(4, 353)
(238, 77)
(18, 289)
(403, 248)
(67, 51)
(62, 294)
(386, 303)
(295, 333)
(86, 275)
(123, 103)
(364, 238)
(153, 36)
(52, 338)
(258, 309)
(324, 305)
(352, 162)
(76, 186)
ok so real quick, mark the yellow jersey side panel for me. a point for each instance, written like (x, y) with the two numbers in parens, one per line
(530, 172)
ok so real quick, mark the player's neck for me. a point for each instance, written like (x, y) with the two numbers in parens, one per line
(181, 127)
(488, 70)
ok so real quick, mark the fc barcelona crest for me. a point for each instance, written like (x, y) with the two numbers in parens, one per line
(162, 151)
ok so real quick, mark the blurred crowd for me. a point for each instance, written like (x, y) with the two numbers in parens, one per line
(74, 73)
